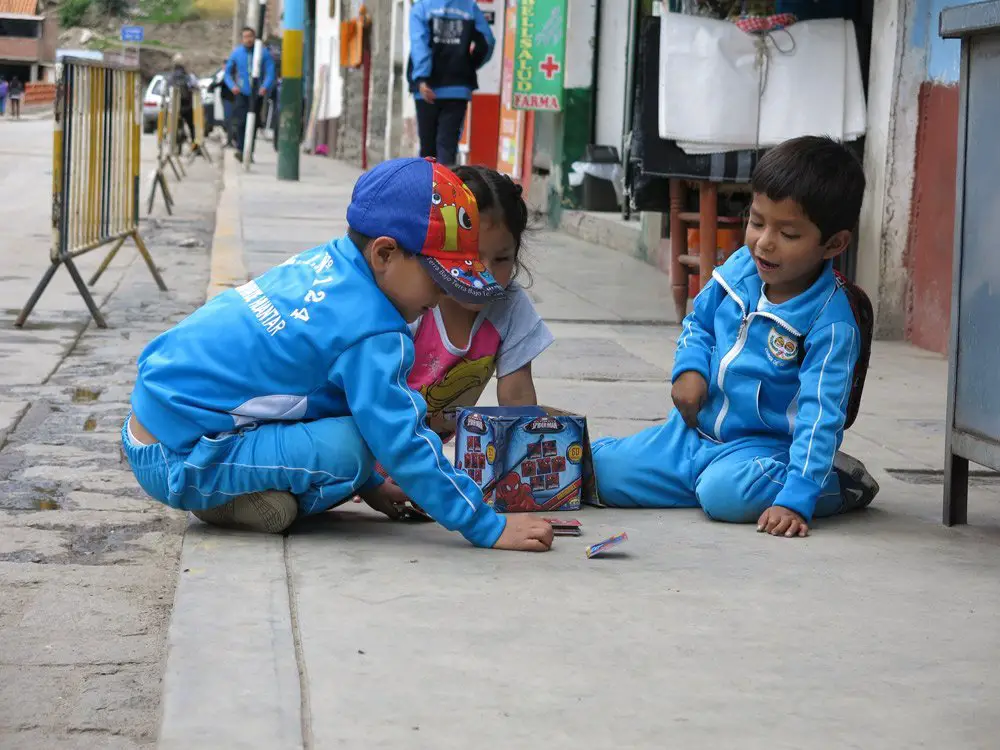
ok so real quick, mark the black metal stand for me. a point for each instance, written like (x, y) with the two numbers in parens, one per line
(159, 179)
(77, 279)
(67, 260)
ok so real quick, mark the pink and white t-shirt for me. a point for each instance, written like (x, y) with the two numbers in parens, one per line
(507, 335)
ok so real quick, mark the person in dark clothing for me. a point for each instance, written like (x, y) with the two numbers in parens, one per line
(15, 94)
(222, 90)
(186, 84)
(449, 41)
(239, 68)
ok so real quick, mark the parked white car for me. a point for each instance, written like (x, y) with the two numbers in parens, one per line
(152, 102)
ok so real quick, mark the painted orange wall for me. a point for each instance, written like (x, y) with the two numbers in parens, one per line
(932, 218)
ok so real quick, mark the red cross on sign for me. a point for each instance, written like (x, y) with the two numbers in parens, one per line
(549, 67)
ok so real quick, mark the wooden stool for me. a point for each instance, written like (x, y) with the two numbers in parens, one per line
(708, 221)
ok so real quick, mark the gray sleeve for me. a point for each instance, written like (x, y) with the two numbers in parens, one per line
(523, 334)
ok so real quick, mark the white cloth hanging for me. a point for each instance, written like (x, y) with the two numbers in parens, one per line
(710, 78)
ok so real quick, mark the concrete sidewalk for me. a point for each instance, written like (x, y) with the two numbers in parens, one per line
(878, 631)
(87, 563)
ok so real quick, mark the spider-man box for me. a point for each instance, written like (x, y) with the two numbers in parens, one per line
(527, 458)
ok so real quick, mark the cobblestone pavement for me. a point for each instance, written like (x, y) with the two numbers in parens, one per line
(87, 566)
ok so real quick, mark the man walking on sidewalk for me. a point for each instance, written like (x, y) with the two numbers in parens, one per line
(239, 68)
(449, 41)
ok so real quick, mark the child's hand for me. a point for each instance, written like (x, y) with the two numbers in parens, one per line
(443, 423)
(689, 392)
(779, 521)
(387, 498)
(525, 533)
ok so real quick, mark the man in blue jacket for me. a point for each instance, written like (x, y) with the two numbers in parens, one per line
(449, 41)
(239, 69)
(274, 400)
(764, 365)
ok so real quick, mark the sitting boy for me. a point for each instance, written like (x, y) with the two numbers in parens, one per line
(270, 401)
(758, 423)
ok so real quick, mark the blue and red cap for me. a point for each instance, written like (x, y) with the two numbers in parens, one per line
(431, 213)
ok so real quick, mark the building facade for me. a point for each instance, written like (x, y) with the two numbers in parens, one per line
(906, 232)
(28, 39)
(908, 225)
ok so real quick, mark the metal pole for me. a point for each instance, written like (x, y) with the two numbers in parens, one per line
(258, 53)
(630, 83)
(387, 148)
(308, 70)
(237, 6)
(630, 64)
(252, 13)
(366, 81)
(290, 109)
(406, 102)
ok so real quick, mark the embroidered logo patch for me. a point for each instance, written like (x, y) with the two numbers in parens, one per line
(780, 346)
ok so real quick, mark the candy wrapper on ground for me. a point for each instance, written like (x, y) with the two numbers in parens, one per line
(527, 458)
(610, 543)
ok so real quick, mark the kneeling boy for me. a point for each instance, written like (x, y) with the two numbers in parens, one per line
(270, 401)
(764, 365)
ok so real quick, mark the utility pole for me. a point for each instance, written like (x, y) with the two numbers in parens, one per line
(253, 13)
(237, 7)
(250, 134)
(290, 104)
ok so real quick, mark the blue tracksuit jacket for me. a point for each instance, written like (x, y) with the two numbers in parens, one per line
(310, 339)
(441, 33)
(241, 59)
(757, 386)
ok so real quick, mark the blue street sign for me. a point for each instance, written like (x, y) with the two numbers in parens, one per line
(132, 33)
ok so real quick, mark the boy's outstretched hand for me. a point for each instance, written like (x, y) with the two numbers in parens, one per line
(525, 533)
(689, 392)
(780, 521)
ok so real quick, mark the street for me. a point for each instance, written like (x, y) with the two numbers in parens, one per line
(88, 566)
(120, 630)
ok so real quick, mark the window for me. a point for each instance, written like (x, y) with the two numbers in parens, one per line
(17, 27)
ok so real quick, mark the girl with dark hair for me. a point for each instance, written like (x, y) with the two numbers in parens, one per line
(460, 346)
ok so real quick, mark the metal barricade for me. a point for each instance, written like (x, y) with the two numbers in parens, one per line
(167, 125)
(95, 172)
(198, 136)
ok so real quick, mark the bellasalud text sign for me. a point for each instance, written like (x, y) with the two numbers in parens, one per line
(540, 55)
